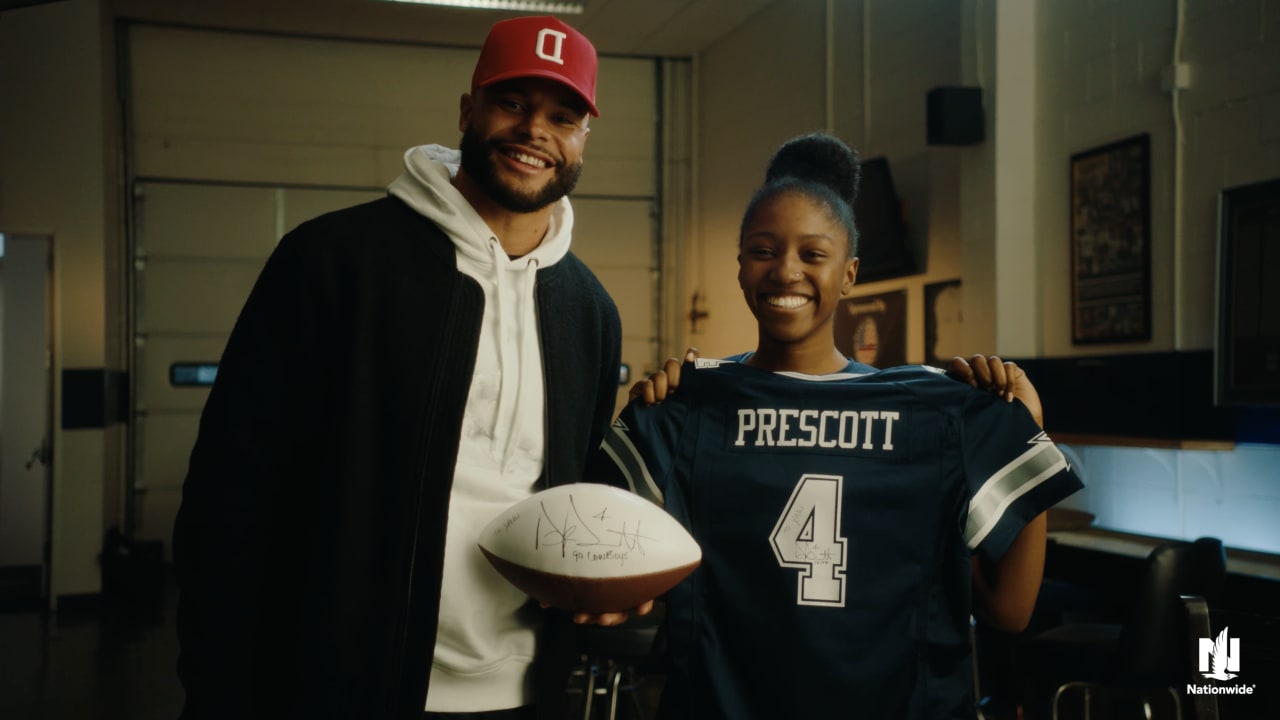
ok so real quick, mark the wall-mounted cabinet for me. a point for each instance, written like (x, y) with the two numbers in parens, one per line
(1163, 399)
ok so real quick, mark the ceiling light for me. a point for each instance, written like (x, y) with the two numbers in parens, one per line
(563, 8)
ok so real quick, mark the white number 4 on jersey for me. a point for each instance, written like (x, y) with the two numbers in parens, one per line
(807, 537)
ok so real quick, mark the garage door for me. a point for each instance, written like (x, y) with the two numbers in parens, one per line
(237, 138)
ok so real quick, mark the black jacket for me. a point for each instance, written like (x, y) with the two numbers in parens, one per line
(310, 542)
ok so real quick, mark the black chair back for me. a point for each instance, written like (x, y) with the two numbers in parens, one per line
(1152, 647)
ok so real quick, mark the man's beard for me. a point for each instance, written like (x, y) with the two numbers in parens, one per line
(478, 162)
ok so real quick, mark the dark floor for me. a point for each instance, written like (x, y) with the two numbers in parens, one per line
(96, 664)
(118, 664)
(109, 663)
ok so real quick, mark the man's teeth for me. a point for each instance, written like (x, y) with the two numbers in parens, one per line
(527, 159)
(786, 301)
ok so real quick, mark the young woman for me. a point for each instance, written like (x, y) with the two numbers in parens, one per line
(838, 507)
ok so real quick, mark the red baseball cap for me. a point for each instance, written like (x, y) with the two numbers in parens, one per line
(540, 46)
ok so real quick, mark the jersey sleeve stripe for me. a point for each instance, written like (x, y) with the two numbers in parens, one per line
(625, 455)
(1025, 473)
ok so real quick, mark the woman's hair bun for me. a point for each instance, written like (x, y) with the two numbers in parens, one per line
(820, 158)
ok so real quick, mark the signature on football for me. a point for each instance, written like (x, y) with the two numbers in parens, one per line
(592, 536)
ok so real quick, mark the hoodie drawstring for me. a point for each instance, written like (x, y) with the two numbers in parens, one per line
(527, 342)
(514, 379)
(505, 395)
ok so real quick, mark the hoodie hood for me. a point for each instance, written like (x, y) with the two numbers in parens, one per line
(426, 186)
(504, 415)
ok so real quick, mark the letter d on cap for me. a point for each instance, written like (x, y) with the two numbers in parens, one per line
(557, 45)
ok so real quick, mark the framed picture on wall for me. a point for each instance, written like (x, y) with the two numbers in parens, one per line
(872, 329)
(1111, 242)
(943, 322)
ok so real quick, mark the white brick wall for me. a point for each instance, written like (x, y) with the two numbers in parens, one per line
(1183, 494)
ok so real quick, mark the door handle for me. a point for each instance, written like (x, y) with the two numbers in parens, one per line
(42, 454)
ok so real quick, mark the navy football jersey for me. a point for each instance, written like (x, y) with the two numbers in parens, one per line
(836, 516)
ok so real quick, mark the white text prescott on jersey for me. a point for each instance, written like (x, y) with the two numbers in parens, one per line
(792, 427)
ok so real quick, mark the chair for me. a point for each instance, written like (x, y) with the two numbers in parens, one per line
(1138, 663)
(1198, 626)
(978, 700)
(615, 661)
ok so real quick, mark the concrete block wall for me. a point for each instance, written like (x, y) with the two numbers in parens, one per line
(1100, 80)
(1100, 72)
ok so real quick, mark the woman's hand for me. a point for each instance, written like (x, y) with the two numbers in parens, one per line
(655, 388)
(1001, 378)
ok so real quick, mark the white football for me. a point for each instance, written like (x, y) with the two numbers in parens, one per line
(589, 548)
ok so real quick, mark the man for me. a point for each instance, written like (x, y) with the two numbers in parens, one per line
(403, 371)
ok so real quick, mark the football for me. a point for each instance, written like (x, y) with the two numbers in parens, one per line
(589, 548)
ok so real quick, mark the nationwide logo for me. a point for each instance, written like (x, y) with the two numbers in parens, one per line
(1219, 659)
(1220, 655)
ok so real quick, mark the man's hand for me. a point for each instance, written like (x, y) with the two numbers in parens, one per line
(652, 390)
(655, 388)
(1001, 378)
(613, 618)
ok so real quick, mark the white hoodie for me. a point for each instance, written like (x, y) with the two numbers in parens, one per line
(484, 645)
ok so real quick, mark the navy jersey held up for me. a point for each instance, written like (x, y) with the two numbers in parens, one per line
(836, 516)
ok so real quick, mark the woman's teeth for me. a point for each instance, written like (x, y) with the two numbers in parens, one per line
(786, 301)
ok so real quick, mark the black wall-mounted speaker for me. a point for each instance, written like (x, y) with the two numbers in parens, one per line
(954, 116)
